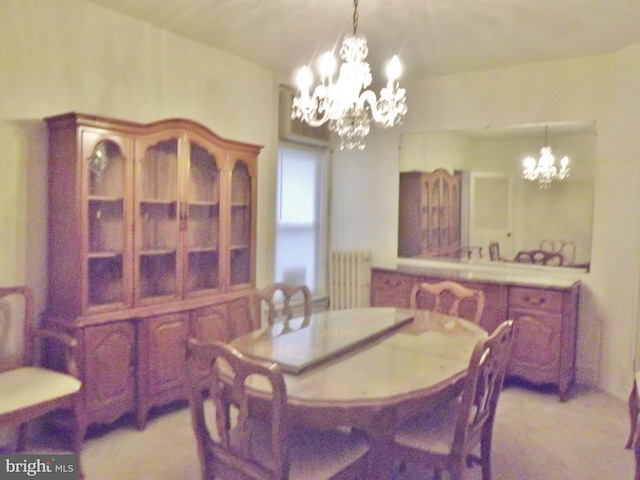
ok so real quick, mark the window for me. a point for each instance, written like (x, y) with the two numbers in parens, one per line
(301, 211)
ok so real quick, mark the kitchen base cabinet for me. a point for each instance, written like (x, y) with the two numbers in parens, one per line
(545, 315)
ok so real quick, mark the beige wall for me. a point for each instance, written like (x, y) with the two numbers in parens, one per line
(68, 55)
(63, 55)
(603, 88)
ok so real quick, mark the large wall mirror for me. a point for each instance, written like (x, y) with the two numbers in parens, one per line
(479, 198)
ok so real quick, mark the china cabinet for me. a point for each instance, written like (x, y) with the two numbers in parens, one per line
(149, 225)
(429, 214)
(545, 313)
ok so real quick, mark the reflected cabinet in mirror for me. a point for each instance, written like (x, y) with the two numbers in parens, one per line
(463, 197)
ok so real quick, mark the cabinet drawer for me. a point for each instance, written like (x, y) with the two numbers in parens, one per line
(394, 281)
(391, 289)
(535, 299)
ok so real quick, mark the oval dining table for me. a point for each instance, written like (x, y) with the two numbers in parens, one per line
(366, 368)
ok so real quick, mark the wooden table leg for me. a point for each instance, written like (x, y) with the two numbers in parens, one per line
(381, 433)
(634, 434)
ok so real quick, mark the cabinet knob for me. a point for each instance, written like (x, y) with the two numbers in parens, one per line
(534, 300)
(183, 216)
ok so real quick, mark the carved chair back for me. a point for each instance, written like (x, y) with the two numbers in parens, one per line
(449, 297)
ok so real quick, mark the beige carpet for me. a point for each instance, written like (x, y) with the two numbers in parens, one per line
(536, 437)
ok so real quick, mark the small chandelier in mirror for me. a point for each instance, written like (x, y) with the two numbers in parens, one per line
(343, 103)
(544, 170)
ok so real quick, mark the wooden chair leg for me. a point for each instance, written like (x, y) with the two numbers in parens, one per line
(23, 431)
(485, 455)
(456, 470)
(79, 430)
(634, 409)
(636, 451)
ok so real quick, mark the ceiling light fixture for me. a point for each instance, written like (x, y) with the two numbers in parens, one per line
(348, 109)
(544, 170)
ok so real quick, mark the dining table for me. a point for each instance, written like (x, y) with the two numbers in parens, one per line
(365, 368)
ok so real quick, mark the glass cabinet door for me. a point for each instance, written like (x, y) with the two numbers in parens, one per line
(157, 221)
(434, 217)
(203, 221)
(240, 225)
(106, 228)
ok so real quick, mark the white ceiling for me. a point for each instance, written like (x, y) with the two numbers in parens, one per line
(432, 37)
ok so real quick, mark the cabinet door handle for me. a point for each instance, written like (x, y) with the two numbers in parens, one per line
(534, 301)
(184, 216)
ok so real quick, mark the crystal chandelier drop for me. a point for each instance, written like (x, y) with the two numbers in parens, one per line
(544, 170)
(348, 109)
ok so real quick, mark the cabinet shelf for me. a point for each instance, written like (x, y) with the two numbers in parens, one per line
(203, 250)
(156, 252)
(103, 255)
(204, 204)
(105, 199)
(157, 201)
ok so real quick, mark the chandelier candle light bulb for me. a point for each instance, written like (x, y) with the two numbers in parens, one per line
(343, 103)
(394, 70)
(327, 67)
(544, 170)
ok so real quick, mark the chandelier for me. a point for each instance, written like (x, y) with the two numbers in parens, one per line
(544, 170)
(343, 103)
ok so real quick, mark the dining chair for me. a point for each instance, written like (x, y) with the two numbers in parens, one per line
(539, 257)
(634, 434)
(566, 248)
(494, 251)
(258, 442)
(448, 297)
(29, 392)
(458, 434)
(279, 298)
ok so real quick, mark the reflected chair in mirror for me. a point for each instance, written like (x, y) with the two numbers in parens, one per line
(280, 300)
(539, 257)
(494, 251)
(457, 434)
(244, 436)
(449, 297)
(567, 249)
(30, 392)
(634, 435)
